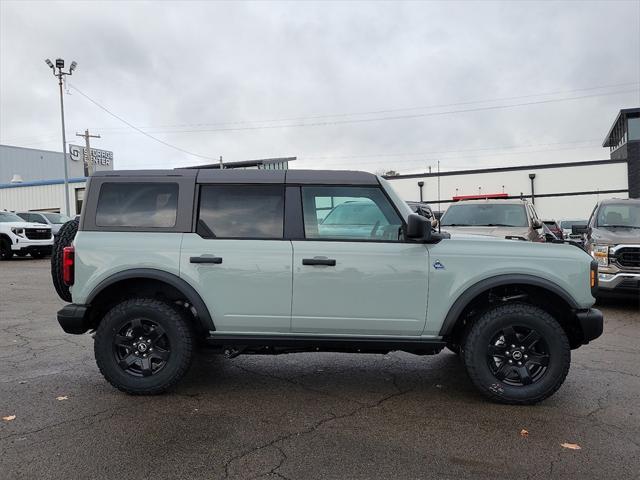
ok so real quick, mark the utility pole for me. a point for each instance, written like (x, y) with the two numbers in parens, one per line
(87, 150)
(221, 164)
(60, 65)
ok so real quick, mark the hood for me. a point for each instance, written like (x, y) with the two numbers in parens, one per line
(27, 225)
(615, 235)
(500, 232)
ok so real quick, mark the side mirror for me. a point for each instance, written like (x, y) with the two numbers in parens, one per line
(536, 223)
(418, 228)
(579, 229)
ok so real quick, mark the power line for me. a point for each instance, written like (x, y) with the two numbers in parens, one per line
(437, 152)
(175, 147)
(375, 112)
(439, 156)
(397, 117)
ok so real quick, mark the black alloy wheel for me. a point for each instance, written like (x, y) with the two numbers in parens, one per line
(518, 356)
(141, 347)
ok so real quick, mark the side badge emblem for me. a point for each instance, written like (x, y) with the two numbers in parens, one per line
(437, 265)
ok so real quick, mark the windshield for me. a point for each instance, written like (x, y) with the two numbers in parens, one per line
(56, 218)
(619, 215)
(567, 224)
(476, 214)
(6, 217)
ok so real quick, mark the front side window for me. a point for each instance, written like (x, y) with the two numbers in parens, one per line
(480, 214)
(349, 213)
(241, 211)
(137, 205)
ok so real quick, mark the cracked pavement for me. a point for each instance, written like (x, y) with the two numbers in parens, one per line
(302, 416)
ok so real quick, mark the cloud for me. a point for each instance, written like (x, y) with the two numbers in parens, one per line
(189, 65)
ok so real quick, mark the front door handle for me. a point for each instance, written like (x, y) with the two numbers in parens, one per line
(319, 261)
(203, 259)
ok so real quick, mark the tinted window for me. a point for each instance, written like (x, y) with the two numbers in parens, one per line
(241, 211)
(358, 213)
(142, 205)
(480, 214)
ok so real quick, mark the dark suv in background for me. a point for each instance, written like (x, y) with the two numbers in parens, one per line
(612, 237)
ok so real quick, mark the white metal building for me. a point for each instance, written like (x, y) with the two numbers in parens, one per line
(32, 179)
(560, 191)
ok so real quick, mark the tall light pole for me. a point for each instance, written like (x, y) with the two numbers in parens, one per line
(61, 73)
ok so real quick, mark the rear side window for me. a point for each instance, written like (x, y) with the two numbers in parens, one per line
(141, 205)
(241, 211)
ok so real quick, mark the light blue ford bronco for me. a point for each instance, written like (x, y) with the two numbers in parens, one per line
(268, 262)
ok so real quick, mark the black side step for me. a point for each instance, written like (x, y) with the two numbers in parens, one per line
(330, 343)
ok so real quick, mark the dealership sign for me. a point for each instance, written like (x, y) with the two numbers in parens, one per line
(101, 159)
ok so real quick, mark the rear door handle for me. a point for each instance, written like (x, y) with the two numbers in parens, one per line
(319, 261)
(203, 259)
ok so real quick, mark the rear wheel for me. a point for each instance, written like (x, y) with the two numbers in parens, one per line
(5, 249)
(517, 354)
(143, 346)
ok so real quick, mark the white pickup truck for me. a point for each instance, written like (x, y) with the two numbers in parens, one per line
(22, 238)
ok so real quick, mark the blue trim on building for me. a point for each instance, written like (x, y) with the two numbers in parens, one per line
(38, 183)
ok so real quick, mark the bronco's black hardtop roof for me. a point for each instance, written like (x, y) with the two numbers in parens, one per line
(296, 177)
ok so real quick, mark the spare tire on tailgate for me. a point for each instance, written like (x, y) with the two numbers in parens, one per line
(65, 237)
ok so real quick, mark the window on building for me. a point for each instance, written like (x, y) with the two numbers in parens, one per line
(142, 205)
(349, 213)
(241, 211)
(79, 199)
(634, 128)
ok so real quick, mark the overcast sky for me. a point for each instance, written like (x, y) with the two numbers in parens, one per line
(372, 86)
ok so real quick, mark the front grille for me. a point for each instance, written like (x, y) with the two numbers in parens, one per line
(38, 233)
(628, 257)
(630, 283)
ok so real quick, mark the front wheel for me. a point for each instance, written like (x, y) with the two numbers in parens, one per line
(5, 249)
(517, 354)
(143, 346)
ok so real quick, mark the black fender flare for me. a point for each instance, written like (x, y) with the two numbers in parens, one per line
(178, 283)
(499, 280)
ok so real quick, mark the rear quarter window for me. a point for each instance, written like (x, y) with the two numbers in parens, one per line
(141, 205)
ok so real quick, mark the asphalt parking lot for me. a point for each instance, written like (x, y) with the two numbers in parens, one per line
(303, 415)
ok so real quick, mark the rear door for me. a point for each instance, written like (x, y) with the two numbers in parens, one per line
(353, 273)
(238, 260)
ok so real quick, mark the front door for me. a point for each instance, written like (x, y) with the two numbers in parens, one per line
(354, 274)
(238, 260)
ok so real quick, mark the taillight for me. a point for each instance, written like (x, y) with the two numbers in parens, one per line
(68, 258)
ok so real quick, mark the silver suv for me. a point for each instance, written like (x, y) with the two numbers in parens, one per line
(512, 219)
(265, 262)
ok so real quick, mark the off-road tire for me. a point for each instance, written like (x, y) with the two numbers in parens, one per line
(177, 329)
(5, 249)
(476, 347)
(64, 238)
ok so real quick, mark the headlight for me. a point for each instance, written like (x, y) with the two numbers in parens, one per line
(600, 253)
(18, 231)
